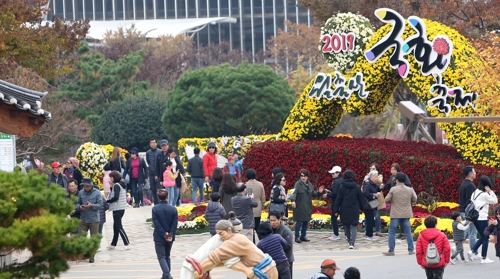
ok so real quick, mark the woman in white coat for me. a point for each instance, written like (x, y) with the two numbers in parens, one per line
(482, 198)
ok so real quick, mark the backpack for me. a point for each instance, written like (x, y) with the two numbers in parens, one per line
(432, 256)
(471, 214)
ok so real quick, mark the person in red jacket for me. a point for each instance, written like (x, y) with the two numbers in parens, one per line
(442, 244)
(210, 161)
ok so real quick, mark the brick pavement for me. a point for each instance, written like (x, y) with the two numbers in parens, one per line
(142, 247)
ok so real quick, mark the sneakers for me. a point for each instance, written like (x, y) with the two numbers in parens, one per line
(388, 253)
(298, 240)
(124, 248)
(351, 246)
(452, 261)
(477, 257)
(91, 260)
(345, 237)
(411, 252)
(469, 255)
(334, 237)
(373, 238)
(111, 247)
(486, 261)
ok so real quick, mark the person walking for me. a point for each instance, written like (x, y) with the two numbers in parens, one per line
(401, 198)
(259, 194)
(138, 173)
(117, 204)
(494, 227)
(165, 219)
(216, 179)
(195, 169)
(459, 228)
(431, 234)
(176, 166)
(243, 205)
(482, 198)
(89, 204)
(151, 160)
(214, 212)
(286, 234)
(466, 189)
(348, 204)
(302, 204)
(161, 158)
(274, 245)
(334, 189)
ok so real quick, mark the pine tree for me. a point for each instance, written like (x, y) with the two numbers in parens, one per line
(33, 216)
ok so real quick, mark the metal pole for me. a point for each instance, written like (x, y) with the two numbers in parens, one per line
(460, 119)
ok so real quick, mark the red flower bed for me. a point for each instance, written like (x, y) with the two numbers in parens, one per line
(433, 168)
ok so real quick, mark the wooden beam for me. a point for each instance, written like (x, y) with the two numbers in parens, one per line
(20, 124)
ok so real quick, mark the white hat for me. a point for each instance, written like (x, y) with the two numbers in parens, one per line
(335, 169)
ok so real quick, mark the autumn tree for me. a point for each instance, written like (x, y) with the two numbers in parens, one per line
(216, 54)
(33, 216)
(46, 48)
(470, 18)
(296, 46)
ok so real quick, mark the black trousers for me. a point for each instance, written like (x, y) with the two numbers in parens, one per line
(118, 228)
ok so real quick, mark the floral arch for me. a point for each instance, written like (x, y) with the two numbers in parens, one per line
(434, 60)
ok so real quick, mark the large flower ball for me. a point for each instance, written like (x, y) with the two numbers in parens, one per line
(343, 39)
(92, 159)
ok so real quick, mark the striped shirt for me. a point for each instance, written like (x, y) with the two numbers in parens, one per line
(274, 245)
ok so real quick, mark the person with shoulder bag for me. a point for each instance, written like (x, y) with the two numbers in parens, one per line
(117, 204)
(278, 194)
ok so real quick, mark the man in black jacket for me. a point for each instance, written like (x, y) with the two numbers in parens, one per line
(165, 220)
(151, 156)
(195, 169)
(466, 189)
(337, 182)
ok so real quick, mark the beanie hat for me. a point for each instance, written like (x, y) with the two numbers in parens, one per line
(134, 150)
(74, 162)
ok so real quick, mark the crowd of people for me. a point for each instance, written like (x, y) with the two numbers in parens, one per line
(243, 203)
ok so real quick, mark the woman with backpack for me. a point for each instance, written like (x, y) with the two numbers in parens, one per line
(482, 198)
(433, 260)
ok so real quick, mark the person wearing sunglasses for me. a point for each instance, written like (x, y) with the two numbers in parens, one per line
(278, 194)
(302, 204)
(210, 161)
(72, 172)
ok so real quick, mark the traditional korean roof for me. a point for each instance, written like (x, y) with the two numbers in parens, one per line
(24, 99)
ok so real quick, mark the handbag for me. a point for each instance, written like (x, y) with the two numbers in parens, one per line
(280, 207)
(373, 203)
(183, 188)
(381, 200)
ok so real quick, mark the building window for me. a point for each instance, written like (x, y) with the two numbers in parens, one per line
(160, 9)
(99, 12)
(68, 7)
(139, 9)
(150, 12)
(79, 9)
(171, 9)
(224, 7)
(191, 8)
(181, 8)
(202, 8)
(119, 10)
(89, 9)
(213, 8)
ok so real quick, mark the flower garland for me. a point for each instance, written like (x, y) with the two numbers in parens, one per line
(92, 159)
(312, 119)
(343, 23)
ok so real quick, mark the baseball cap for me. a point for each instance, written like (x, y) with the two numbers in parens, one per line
(55, 165)
(335, 169)
(164, 142)
(329, 263)
(230, 158)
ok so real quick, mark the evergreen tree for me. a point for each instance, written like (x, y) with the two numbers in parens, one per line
(33, 216)
(132, 122)
(225, 100)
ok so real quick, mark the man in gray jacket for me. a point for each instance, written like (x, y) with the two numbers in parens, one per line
(89, 203)
(151, 157)
(243, 205)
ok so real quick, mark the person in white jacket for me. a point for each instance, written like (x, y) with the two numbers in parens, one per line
(482, 198)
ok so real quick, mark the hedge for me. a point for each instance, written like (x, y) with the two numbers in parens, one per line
(435, 170)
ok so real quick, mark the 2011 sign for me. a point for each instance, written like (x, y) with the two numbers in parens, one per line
(338, 42)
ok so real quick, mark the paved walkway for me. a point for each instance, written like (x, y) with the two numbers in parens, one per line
(142, 247)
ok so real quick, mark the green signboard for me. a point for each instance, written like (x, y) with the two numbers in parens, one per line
(7, 152)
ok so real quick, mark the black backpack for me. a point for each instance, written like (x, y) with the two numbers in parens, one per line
(471, 214)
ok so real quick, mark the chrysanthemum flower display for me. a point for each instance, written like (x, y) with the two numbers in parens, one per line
(92, 159)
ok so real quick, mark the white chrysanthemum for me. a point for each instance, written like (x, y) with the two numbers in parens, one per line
(345, 23)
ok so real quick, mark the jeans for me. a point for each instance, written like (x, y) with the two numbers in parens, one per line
(304, 225)
(154, 186)
(369, 221)
(118, 228)
(101, 225)
(405, 223)
(459, 250)
(377, 220)
(136, 191)
(335, 225)
(480, 226)
(163, 254)
(198, 185)
(171, 195)
(471, 233)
